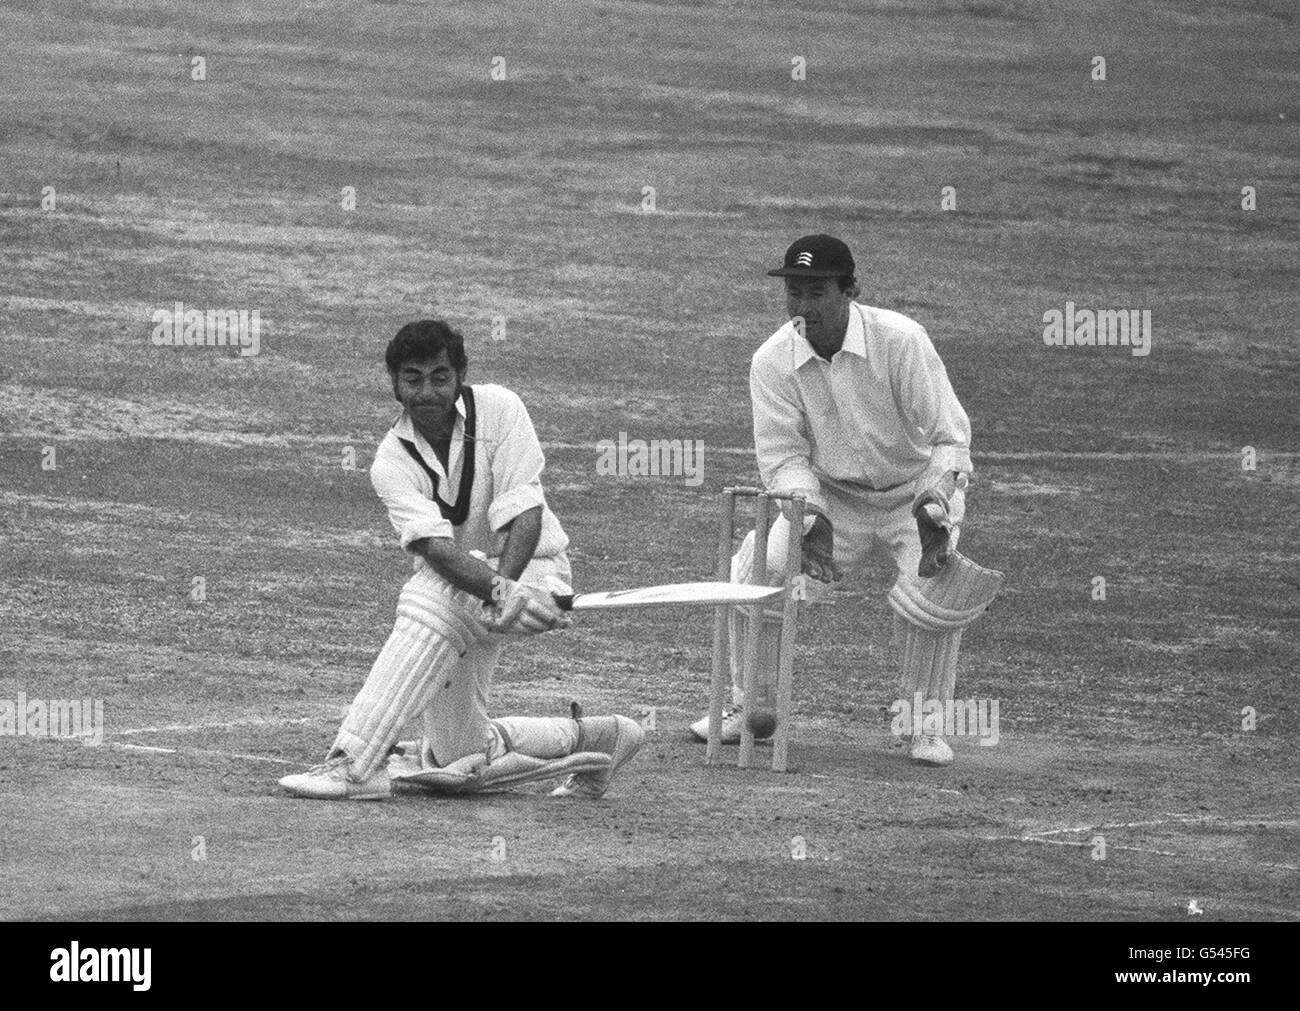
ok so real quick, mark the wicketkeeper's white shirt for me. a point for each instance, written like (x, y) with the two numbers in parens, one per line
(507, 479)
(879, 414)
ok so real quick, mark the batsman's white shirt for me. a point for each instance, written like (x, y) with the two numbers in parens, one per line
(508, 466)
(880, 414)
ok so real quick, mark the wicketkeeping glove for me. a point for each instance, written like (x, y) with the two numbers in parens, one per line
(935, 528)
(819, 550)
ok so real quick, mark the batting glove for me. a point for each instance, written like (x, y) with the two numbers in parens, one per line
(524, 610)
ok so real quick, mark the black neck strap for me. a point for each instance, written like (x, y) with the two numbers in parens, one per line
(455, 514)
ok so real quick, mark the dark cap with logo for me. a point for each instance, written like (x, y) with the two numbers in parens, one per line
(816, 256)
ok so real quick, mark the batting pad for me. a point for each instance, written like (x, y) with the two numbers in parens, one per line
(930, 663)
(769, 638)
(538, 736)
(475, 774)
(934, 613)
(954, 598)
(432, 630)
(403, 677)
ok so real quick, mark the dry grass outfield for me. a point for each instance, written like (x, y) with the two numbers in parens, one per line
(522, 199)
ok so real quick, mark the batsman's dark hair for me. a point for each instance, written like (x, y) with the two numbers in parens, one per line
(423, 341)
(846, 281)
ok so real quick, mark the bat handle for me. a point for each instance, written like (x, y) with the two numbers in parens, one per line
(564, 601)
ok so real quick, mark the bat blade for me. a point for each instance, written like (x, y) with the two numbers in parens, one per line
(670, 595)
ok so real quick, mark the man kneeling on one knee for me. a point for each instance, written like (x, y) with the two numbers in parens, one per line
(460, 474)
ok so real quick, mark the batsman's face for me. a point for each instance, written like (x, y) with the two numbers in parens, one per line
(428, 391)
(823, 308)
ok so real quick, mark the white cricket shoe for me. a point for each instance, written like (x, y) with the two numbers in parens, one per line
(733, 719)
(927, 749)
(616, 736)
(332, 780)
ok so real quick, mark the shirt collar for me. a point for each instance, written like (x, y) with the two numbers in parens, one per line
(855, 339)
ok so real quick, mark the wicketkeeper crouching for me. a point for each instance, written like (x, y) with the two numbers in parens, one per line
(460, 473)
(853, 410)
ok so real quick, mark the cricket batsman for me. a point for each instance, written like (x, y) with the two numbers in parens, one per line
(853, 410)
(460, 474)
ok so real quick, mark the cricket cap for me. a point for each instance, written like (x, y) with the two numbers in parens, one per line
(816, 256)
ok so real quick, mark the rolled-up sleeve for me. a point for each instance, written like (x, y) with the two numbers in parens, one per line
(401, 487)
(781, 437)
(517, 464)
(928, 401)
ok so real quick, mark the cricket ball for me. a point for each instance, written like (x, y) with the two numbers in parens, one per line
(761, 721)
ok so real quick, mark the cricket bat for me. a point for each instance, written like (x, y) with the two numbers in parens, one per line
(671, 595)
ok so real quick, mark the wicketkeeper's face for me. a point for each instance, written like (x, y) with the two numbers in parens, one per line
(428, 390)
(822, 306)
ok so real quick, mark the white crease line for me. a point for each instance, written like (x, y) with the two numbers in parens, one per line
(1138, 849)
(1061, 831)
(1045, 842)
(1098, 828)
(1173, 819)
(251, 722)
(201, 751)
(1270, 823)
(885, 782)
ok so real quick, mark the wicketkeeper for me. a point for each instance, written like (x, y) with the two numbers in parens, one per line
(853, 409)
(460, 473)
